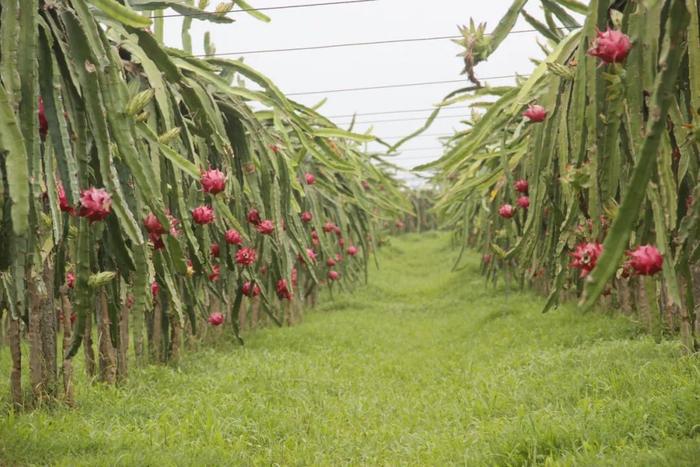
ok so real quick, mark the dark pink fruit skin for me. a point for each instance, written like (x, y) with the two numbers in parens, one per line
(250, 290)
(266, 227)
(213, 181)
(524, 202)
(611, 46)
(522, 186)
(70, 280)
(216, 319)
(330, 262)
(245, 256)
(253, 217)
(329, 227)
(233, 237)
(153, 225)
(646, 260)
(282, 290)
(306, 217)
(585, 257)
(43, 123)
(310, 179)
(95, 204)
(215, 250)
(311, 254)
(63, 203)
(215, 273)
(486, 259)
(506, 211)
(174, 223)
(203, 215)
(157, 241)
(535, 113)
(155, 289)
(352, 250)
(333, 275)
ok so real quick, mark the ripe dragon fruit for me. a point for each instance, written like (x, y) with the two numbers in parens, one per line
(266, 227)
(213, 181)
(245, 256)
(95, 204)
(155, 289)
(523, 202)
(216, 319)
(306, 217)
(333, 275)
(70, 280)
(233, 237)
(585, 257)
(611, 46)
(522, 186)
(250, 290)
(153, 225)
(63, 203)
(253, 216)
(203, 215)
(506, 211)
(535, 113)
(646, 260)
(215, 273)
(282, 290)
(215, 250)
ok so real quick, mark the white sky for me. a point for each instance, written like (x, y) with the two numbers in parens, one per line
(316, 70)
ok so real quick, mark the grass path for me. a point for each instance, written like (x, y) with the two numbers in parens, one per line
(421, 367)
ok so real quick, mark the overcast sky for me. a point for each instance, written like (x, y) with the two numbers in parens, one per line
(317, 70)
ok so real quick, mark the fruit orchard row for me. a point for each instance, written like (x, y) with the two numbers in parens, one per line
(583, 178)
(155, 191)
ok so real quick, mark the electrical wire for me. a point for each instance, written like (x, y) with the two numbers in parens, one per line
(439, 117)
(392, 112)
(353, 44)
(402, 85)
(279, 7)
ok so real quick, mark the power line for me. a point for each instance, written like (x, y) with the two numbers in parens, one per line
(353, 44)
(330, 46)
(402, 85)
(429, 135)
(280, 7)
(436, 148)
(439, 117)
(393, 112)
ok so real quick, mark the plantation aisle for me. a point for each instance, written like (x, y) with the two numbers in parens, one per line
(422, 367)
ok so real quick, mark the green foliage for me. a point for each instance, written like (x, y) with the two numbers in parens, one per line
(615, 160)
(423, 367)
(102, 103)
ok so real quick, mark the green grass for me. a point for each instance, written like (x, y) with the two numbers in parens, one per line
(421, 367)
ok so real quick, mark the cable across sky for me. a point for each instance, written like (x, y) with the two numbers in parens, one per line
(404, 85)
(279, 7)
(348, 44)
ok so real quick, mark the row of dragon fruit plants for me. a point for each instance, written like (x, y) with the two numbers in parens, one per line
(583, 178)
(156, 199)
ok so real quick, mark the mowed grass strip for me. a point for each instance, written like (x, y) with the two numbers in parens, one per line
(423, 366)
